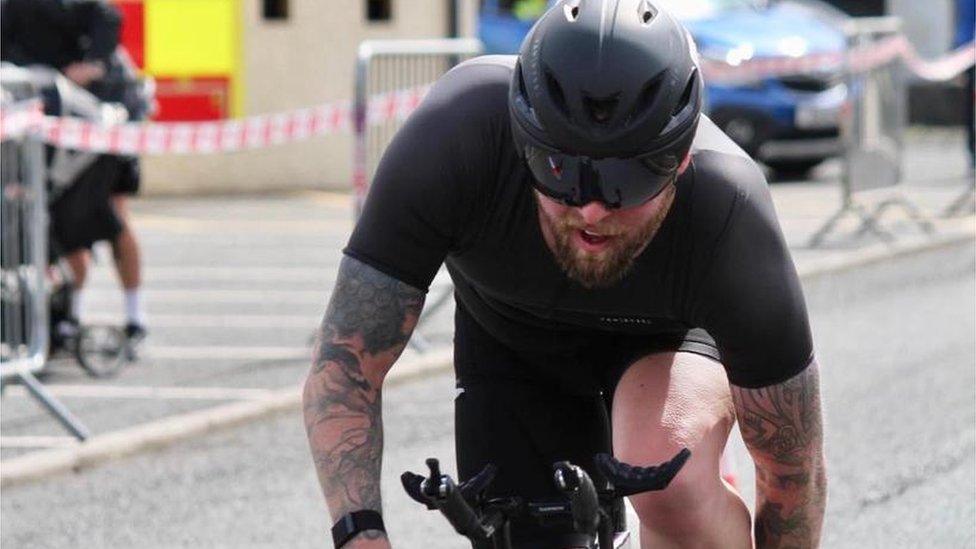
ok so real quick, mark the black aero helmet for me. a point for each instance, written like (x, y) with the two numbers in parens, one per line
(605, 100)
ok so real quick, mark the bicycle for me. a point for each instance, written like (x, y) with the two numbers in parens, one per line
(596, 515)
(101, 350)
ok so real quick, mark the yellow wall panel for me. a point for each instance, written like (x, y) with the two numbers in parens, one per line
(192, 37)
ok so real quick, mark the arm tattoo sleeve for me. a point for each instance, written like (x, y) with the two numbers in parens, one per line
(782, 426)
(367, 324)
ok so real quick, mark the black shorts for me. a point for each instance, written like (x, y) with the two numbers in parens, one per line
(129, 176)
(83, 213)
(523, 413)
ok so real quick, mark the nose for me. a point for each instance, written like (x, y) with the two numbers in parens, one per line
(594, 212)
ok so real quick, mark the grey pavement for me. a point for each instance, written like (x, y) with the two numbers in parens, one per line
(235, 286)
(895, 341)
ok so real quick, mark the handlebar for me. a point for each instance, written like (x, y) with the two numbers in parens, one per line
(479, 519)
(441, 492)
(578, 487)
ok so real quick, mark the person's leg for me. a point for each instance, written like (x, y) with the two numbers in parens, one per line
(78, 262)
(665, 402)
(125, 247)
(66, 307)
(125, 250)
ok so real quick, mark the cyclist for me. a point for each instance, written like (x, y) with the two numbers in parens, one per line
(621, 283)
(80, 39)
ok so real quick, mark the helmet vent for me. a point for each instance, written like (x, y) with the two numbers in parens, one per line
(685, 95)
(648, 96)
(571, 10)
(521, 81)
(600, 110)
(646, 12)
(556, 92)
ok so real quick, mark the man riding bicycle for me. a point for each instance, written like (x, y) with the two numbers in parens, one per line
(622, 284)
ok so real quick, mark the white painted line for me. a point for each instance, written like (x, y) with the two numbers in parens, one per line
(198, 296)
(37, 442)
(155, 393)
(204, 320)
(321, 274)
(185, 225)
(227, 353)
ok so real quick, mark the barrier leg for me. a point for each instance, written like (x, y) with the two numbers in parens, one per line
(54, 406)
(913, 213)
(868, 224)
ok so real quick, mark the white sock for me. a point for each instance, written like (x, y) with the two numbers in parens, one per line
(76, 300)
(133, 307)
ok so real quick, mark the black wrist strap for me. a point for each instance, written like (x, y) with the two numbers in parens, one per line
(353, 523)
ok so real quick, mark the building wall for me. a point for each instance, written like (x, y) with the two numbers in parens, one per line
(302, 61)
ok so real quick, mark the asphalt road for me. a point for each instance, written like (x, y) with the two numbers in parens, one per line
(896, 344)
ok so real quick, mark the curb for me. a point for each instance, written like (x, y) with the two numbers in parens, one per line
(161, 433)
(158, 434)
(880, 253)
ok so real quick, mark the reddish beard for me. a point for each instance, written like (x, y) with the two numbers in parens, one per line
(607, 267)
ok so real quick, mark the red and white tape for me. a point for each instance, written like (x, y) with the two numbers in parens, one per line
(859, 59)
(275, 129)
(253, 132)
(17, 118)
(944, 68)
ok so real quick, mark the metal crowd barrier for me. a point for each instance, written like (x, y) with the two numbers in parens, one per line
(24, 323)
(390, 66)
(872, 130)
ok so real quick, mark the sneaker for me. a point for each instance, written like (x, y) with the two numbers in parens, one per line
(134, 335)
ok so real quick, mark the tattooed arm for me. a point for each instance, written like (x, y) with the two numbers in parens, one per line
(782, 426)
(367, 324)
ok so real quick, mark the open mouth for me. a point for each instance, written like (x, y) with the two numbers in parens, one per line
(593, 238)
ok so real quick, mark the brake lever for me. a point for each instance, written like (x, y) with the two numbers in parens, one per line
(472, 490)
(411, 484)
(628, 480)
(439, 491)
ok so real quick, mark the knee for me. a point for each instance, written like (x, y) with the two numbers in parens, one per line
(686, 505)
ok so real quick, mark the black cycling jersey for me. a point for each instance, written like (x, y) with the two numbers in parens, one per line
(451, 188)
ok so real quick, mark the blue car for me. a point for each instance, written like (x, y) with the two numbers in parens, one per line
(791, 123)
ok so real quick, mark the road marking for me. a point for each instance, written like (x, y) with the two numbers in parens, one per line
(307, 322)
(153, 393)
(183, 225)
(37, 442)
(323, 274)
(227, 353)
(195, 296)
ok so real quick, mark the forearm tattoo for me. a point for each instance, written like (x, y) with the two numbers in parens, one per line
(367, 324)
(782, 426)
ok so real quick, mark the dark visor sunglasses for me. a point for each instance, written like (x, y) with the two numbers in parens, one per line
(616, 182)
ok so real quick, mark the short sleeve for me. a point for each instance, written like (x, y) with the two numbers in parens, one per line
(753, 302)
(422, 201)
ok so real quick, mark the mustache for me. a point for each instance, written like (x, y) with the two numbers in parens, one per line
(607, 229)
